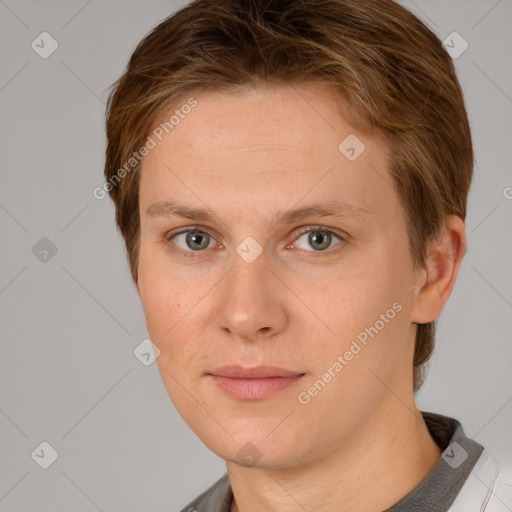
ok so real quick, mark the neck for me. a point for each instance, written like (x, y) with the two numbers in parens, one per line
(371, 472)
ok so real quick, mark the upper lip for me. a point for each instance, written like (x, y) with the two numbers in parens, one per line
(257, 372)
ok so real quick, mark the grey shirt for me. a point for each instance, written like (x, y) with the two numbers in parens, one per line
(435, 493)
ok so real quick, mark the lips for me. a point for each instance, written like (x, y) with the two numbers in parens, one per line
(255, 383)
(258, 372)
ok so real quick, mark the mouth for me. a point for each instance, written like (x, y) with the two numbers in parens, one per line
(255, 383)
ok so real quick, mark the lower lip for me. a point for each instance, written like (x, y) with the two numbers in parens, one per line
(254, 389)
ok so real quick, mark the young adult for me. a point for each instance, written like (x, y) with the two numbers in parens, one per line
(290, 179)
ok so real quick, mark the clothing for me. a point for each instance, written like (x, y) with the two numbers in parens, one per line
(465, 479)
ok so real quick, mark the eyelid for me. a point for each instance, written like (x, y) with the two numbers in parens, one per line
(340, 234)
(186, 229)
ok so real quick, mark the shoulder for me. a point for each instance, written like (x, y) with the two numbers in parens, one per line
(216, 498)
(488, 487)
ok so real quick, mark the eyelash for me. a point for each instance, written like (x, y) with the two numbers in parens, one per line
(194, 254)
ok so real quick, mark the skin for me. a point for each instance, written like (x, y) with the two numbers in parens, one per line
(360, 443)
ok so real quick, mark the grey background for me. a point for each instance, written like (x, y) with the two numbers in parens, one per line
(69, 325)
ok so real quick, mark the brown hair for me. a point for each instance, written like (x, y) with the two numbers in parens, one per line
(388, 68)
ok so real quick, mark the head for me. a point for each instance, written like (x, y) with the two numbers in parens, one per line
(249, 111)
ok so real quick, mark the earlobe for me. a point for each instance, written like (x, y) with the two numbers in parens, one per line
(440, 271)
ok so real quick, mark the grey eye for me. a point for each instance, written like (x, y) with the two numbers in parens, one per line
(195, 240)
(318, 239)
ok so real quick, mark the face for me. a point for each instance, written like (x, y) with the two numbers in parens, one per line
(324, 295)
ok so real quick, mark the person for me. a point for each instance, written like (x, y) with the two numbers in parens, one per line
(291, 179)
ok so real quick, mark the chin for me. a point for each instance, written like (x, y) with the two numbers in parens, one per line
(277, 451)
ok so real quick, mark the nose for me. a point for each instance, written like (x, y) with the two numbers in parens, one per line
(251, 301)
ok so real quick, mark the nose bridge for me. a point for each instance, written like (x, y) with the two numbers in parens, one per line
(248, 280)
(250, 304)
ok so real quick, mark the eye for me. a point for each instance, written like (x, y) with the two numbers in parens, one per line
(192, 240)
(319, 238)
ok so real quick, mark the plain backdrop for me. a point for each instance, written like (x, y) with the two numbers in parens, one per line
(70, 316)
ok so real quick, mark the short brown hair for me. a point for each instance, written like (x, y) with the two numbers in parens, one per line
(388, 68)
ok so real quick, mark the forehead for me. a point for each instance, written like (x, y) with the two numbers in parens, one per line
(275, 147)
(296, 118)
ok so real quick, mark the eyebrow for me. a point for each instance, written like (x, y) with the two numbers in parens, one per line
(334, 208)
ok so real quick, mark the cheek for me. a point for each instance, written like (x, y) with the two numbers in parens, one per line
(162, 296)
(366, 305)
(174, 307)
(351, 300)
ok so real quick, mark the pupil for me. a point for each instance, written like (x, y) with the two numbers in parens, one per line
(194, 238)
(313, 238)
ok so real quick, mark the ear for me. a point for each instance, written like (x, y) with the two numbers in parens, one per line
(438, 276)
